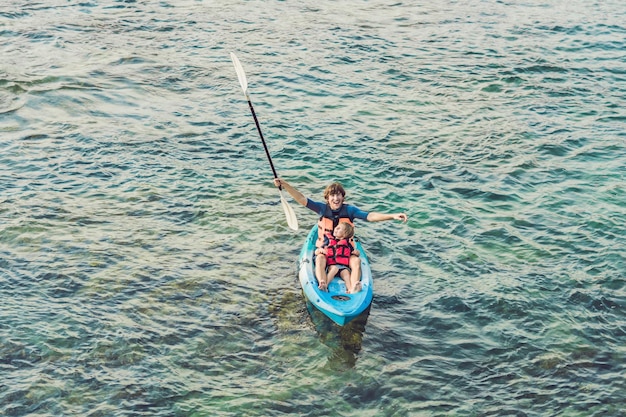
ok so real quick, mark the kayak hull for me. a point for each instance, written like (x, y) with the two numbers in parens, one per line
(336, 304)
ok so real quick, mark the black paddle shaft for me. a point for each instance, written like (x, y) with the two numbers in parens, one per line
(258, 127)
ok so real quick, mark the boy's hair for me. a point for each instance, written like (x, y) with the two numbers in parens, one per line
(334, 188)
(349, 229)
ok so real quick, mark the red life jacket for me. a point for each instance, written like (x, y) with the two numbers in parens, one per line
(338, 251)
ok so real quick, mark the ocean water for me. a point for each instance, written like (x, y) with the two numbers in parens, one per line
(146, 268)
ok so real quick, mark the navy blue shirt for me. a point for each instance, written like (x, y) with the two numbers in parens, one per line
(353, 212)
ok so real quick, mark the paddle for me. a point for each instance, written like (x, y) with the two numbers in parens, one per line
(292, 222)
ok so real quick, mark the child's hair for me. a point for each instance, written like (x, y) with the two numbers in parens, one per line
(334, 188)
(349, 229)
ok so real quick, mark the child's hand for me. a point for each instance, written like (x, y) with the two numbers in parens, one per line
(356, 252)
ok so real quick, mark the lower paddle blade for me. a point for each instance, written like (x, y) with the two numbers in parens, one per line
(292, 221)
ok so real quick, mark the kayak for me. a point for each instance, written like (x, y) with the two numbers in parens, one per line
(336, 304)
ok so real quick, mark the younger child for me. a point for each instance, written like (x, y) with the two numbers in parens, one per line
(338, 247)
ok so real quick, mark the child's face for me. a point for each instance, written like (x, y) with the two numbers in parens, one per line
(340, 231)
(335, 201)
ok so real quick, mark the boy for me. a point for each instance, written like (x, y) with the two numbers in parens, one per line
(338, 248)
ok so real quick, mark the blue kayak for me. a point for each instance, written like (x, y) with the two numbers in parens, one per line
(336, 304)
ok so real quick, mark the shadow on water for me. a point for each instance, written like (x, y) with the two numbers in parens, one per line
(345, 341)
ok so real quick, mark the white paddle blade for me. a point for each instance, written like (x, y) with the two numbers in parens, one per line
(292, 221)
(240, 73)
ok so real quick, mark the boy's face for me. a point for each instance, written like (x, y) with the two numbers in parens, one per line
(340, 231)
(335, 201)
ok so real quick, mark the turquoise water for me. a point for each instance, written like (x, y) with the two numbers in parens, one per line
(145, 264)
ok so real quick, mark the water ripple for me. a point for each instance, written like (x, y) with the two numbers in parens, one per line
(145, 267)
